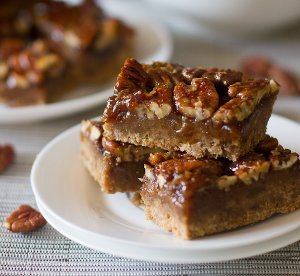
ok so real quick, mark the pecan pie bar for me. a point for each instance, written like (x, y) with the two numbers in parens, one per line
(197, 197)
(212, 113)
(94, 43)
(29, 73)
(116, 166)
(87, 43)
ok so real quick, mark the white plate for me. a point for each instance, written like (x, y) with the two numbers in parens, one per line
(126, 250)
(152, 42)
(65, 189)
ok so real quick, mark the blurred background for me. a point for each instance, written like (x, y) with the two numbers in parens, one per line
(261, 38)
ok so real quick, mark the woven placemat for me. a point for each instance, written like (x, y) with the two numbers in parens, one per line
(47, 252)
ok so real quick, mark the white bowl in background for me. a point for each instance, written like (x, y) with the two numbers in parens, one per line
(234, 16)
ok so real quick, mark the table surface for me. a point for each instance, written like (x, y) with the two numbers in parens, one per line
(47, 252)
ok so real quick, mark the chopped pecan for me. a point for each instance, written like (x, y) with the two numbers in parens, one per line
(282, 158)
(247, 171)
(24, 219)
(246, 95)
(198, 100)
(190, 73)
(96, 133)
(159, 157)
(225, 77)
(172, 69)
(172, 168)
(7, 156)
(113, 147)
(161, 110)
(92, 129)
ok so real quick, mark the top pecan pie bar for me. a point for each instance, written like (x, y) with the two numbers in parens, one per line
(202, 112)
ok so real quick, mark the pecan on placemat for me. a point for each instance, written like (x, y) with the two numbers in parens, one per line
(261, 67)
(24, 219)
(7, 156)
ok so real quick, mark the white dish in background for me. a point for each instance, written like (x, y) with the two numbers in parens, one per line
(159, 47)
(232, 16)
(110, 223)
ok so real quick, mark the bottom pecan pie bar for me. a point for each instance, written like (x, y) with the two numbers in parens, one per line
(116, 166)
(196, 197)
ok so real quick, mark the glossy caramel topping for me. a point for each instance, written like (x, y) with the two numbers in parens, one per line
(171, 170)
(159, 89)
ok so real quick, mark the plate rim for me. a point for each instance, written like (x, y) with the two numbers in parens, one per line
(249, 251)
(116, 239)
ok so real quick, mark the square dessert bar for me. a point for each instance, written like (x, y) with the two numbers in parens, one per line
(81, 46)
(212, 113)
(116, 166)
(29, 72)
(197, 197)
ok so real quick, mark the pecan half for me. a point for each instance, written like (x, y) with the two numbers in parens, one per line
(24, 219)
(246, 95)
(132, 77)
(7, 156)
(198, 100)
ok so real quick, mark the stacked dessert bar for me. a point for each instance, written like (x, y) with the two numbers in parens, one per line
(201, 137)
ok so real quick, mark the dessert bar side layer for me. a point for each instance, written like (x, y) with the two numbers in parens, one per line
(116, 166)
(113, 176)
(278, 192)
(196, 138)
